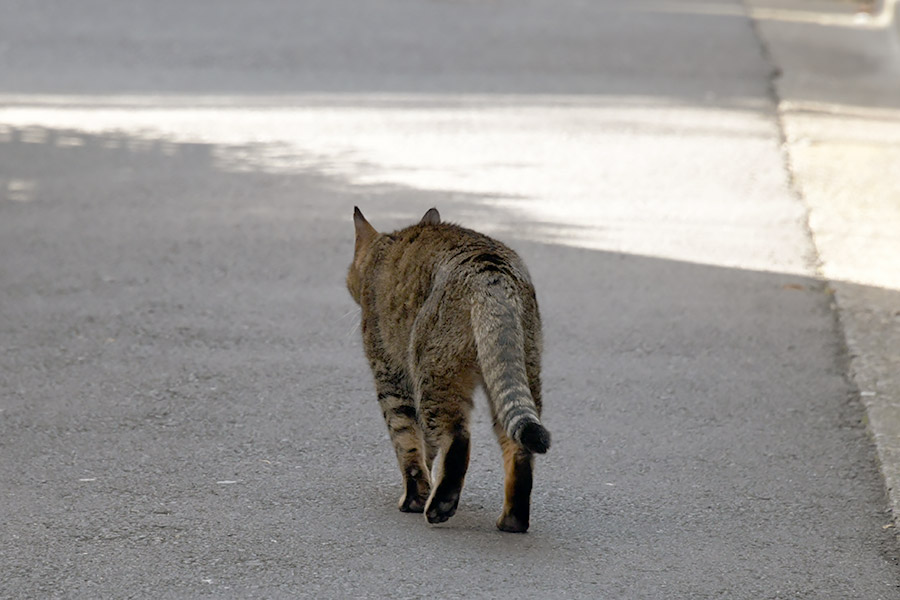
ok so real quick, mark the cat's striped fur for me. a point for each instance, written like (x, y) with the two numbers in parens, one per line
(445, 309)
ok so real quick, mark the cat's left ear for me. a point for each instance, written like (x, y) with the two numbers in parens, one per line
(364, 231)
(432, 217)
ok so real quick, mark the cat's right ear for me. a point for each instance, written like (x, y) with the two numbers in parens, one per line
(432, 217)
(364, 231)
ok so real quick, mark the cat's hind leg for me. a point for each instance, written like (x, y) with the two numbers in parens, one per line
(518, 467)
(518, 463)
(399, 413)
(444, 407)
(443, 368)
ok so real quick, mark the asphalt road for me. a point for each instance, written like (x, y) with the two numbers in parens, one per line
(185, 411)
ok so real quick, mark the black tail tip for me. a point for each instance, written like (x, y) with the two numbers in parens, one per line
(535, 438)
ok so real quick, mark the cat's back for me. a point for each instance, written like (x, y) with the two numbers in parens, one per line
(436, 263)
(449, 247)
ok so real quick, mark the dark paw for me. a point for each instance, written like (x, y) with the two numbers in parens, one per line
(512, 524)
(441, 507)
(412, 504)
(416, 495)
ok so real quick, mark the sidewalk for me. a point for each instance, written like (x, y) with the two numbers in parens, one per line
(839, 102)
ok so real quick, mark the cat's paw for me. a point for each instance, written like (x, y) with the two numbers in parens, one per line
(441, 507)
(512, 524)
(412, 503)
(418, 488)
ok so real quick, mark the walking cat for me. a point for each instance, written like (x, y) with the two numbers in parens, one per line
(445, 309)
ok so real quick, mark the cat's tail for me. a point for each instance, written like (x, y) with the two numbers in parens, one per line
(500, 341)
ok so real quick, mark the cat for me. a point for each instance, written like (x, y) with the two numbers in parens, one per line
(445, 309)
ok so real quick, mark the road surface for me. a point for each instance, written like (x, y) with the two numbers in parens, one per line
(185, 411)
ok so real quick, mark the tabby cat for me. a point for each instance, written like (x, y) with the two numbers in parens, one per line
(445, 309)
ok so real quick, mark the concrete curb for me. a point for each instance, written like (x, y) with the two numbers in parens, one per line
(842, 140)
(888, 13)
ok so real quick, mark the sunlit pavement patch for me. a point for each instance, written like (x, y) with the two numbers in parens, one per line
(633, 175)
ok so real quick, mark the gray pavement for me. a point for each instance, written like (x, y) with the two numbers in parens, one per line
(185, 411)
(839, 103)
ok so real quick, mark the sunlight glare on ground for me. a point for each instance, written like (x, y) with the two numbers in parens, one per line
(579, 171)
